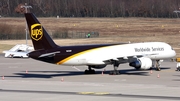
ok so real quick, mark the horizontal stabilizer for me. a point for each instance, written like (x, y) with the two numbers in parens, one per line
(49, 54)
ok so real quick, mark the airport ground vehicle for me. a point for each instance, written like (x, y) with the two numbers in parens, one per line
(19, 51)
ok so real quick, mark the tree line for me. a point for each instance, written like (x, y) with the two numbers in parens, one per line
(92, 8)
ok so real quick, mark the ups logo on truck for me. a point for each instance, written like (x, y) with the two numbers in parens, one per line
(36, 32)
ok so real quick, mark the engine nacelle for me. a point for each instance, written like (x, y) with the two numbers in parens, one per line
(142, 63)
(97, 66)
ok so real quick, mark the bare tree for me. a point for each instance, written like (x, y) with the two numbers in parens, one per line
(93, 8)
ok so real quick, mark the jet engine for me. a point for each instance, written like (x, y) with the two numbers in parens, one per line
(97, 66)
(142, 63)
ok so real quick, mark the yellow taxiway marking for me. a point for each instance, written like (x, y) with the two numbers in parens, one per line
(86, 93)
(101, 93)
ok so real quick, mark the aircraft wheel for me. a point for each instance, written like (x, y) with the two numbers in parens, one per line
(178, 69)
(86, 72)
(92, 71)
(89, 72)
(158, 69)
(114, 73)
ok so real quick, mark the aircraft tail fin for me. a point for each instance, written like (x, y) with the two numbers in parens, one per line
(40, 38)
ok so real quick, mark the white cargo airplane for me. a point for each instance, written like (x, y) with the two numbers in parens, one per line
(138, 55)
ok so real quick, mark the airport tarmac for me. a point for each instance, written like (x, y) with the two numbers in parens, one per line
(31, 80)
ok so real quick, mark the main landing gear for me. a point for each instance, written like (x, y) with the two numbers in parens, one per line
(116, 65)
(89, 71)
(114, 72)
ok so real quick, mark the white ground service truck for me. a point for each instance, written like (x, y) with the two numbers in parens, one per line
(178, 64)
(18, 51)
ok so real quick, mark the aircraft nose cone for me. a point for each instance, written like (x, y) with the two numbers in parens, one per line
(174, 53)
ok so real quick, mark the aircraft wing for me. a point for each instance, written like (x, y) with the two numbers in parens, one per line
(126, 59)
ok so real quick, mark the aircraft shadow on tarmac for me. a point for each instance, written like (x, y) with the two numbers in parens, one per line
(51, 74)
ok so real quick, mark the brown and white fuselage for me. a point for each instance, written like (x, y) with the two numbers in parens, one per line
(138, 55)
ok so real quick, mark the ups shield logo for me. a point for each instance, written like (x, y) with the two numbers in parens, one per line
(36, 32)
